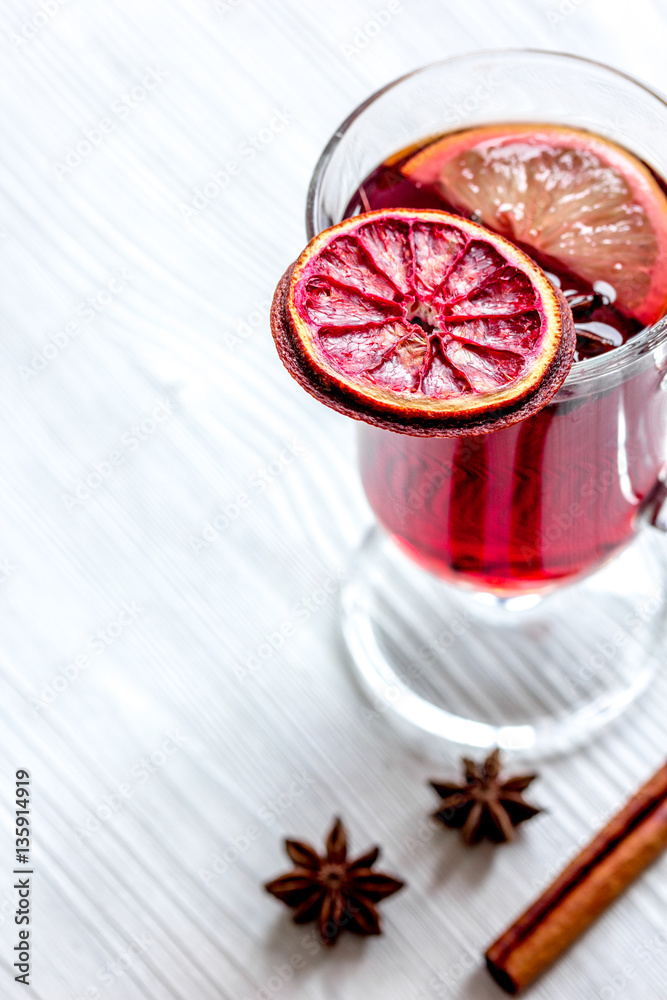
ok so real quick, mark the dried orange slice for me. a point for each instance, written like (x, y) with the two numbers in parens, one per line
(422, 322)
(572, 196)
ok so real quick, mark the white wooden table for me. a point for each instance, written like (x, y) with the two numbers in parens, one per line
(175, 514)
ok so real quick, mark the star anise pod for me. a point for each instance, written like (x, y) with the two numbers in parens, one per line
(484, 806)
(339, 894)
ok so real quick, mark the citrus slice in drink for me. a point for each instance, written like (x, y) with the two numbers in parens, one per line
(574, 197)
(422, 322)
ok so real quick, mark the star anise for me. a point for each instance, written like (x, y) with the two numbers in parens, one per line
(339, 894)
(484, 806)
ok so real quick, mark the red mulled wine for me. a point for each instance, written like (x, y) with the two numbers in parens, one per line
(544, 500)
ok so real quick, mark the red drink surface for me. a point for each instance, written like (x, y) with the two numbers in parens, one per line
(545, 500)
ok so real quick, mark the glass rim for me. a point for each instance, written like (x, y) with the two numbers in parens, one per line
(606, 364)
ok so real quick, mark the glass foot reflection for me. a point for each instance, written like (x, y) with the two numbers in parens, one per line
(532, 674)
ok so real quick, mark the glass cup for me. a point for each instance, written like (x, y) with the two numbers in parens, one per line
(510, 596)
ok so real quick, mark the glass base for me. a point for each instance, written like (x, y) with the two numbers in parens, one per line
(533, 674)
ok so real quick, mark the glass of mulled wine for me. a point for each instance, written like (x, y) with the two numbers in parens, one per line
(508, 595)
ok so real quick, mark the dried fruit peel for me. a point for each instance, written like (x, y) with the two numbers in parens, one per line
(458, 330)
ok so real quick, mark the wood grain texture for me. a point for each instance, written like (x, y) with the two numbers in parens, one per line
(157, 457)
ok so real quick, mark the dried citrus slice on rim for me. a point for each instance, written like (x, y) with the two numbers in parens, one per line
(422, 322)
(573, 196)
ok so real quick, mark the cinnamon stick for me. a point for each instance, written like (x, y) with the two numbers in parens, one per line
(599, 873)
